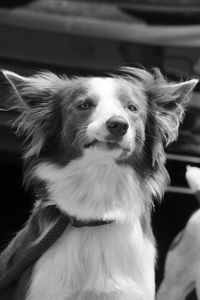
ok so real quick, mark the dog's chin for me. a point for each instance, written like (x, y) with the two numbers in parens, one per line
(118, 150)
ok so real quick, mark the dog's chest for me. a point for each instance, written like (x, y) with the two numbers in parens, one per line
(94, 186)
(104, 259)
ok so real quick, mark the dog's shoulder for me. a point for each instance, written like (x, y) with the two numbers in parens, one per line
(36, 226)
(34, 230)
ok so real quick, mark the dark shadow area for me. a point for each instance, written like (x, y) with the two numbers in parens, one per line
(169, 218)
(15, 202)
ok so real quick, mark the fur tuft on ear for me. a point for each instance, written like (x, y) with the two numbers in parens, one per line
(15, 83)
(29, 92)
(169, 101)
(33, 98)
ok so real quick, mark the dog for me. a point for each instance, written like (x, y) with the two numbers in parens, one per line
(94, 154)
(182, 265)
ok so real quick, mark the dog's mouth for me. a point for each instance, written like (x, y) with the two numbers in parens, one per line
(90, 144)
(109, 145)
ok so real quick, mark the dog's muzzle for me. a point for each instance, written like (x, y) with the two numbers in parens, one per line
(109, 135)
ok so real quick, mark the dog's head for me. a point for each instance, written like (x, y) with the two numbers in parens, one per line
(130, 115)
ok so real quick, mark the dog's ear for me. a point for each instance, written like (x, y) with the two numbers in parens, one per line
(11, 85)
(6, 92)
(26, 92)
(169, 102)
(31, 97)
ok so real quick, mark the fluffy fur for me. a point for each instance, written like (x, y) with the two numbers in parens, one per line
(181, 275)
(74, 161)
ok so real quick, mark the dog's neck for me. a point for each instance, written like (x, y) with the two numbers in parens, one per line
(94, 186)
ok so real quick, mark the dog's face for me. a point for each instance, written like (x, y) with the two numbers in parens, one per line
(106, 113)
(129, 116)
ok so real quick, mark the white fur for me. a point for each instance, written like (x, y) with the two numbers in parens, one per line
(109, 262)
(182, 265)
(94, 186)
(105, 89)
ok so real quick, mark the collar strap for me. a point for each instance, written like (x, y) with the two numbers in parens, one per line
(92, 223)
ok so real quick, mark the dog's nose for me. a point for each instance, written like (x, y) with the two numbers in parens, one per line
(117, 126)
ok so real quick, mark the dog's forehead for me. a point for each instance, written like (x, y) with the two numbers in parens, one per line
(115, 88)
(102, 87)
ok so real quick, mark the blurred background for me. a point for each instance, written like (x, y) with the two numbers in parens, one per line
(92, 38)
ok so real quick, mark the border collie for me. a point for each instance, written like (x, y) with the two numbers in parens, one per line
(94, 155)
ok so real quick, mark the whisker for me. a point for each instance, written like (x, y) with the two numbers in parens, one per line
(139, 139)
(80, 135)
(74, 129)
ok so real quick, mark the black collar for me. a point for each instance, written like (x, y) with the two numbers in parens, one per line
(82, 223)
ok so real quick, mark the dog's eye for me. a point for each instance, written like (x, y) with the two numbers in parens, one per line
(85, 105)
(132, 107)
